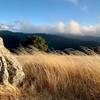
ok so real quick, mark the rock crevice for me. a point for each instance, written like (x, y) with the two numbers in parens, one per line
(10, 69)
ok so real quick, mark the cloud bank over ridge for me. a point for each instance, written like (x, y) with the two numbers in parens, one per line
(72, 27)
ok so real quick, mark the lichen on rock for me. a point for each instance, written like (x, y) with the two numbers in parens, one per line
(11, 70)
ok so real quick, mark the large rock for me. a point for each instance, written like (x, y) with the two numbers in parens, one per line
(3, 70)
(10, 70)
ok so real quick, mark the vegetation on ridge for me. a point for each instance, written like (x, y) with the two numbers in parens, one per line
(37, 42)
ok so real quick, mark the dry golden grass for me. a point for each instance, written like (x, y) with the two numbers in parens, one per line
(60, 77)
(9, 93)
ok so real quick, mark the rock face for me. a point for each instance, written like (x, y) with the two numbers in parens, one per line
(10, 70)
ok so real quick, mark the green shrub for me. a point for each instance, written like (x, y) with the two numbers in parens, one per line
(36, 41)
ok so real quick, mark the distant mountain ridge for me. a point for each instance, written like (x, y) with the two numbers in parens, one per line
(57, 42)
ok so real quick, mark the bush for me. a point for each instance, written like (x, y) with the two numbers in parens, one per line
(36, 41)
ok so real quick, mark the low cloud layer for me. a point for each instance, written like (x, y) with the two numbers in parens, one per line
(72, 27)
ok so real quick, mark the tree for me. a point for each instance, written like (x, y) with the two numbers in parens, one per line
(36, 41)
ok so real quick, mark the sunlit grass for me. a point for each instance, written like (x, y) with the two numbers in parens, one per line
(60, 77)
(9, 92)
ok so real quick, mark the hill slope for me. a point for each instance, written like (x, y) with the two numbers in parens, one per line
(14, 39)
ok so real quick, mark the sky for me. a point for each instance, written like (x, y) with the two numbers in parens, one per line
(51, 16)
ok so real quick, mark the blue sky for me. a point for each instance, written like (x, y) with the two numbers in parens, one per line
(50, 12)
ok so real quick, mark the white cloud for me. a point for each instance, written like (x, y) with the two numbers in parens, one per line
(76, 2)
(89, 29)
(60, 26)
(72, 27)
(5, 27)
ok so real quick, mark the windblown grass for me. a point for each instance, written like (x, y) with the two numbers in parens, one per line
(9, 93)
(60, 77)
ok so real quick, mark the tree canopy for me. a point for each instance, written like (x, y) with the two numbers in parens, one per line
(36, 41)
